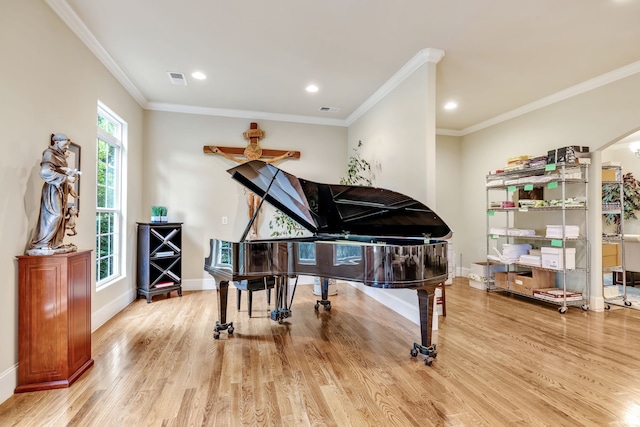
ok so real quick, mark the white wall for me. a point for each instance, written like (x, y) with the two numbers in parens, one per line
(394, 135)
(449, 201)
(51, 83)
(197, 189)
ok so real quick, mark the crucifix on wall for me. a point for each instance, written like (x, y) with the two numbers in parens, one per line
(253, 151)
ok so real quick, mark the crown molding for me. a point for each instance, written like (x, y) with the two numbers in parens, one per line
(243, 114)
(580, 88)
(420, 58)
(449, 132)
(71, 19)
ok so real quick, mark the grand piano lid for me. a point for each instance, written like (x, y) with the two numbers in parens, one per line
(335, 209)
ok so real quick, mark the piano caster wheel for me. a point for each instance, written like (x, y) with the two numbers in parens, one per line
(627, 303)
(430, 352)
(326, 304)
(216, 335)
(607, 307)
(230, 330)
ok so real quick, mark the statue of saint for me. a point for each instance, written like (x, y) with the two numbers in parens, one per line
(58, 179)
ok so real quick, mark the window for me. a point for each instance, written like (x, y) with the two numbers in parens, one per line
(307, 253)
(109, 210)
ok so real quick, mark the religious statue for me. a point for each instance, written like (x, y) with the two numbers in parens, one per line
(253, 151)
(54, 214)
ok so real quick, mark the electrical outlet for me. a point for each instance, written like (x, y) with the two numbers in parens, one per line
(224, 220)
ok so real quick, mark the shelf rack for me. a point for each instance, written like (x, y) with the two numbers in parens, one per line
(550, 177)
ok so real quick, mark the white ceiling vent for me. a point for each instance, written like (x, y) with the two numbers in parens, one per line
(177, 78)
(329, 109)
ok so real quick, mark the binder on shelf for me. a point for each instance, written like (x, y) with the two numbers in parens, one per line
(172, 275)
(164, 284)
(164, 254)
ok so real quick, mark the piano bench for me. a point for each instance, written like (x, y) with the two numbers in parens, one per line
(252, 285)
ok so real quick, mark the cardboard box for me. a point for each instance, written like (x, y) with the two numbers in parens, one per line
(478, 272)
(557, 295)
(552, 258)
(527, 282)
(475, 284)
(609, 175)
(501, 279)
(610, 255)
(569, 154)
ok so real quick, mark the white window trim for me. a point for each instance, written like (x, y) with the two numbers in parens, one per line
(122, 196)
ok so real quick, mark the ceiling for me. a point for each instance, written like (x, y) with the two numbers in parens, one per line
(502, 57)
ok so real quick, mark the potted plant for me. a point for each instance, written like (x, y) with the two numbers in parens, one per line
(631, 199)
(158, 214)
(284, 226)
(358, 170)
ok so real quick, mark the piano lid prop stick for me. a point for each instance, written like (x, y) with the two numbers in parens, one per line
(255, 214)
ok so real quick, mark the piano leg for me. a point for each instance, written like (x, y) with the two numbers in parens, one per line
(282, 307)
(426, 296)
(222, 325)
(324, 294)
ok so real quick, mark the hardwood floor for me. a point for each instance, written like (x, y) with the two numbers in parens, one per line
(502, 361)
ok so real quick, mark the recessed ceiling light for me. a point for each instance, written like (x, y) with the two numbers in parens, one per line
(312, 88)
(198, 75)
(451, 105)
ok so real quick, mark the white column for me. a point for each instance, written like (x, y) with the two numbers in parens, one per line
(595, 231)
(433, 57)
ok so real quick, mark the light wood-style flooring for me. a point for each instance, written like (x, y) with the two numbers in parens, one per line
(502, 361)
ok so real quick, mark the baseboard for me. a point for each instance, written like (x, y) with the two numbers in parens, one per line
(103, 315)
(393, 298)
(8, 382)
(207, 284)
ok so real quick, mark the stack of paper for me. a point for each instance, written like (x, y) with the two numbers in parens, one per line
(511, 252)
(512, 232)
(555, 231)
(531, 260)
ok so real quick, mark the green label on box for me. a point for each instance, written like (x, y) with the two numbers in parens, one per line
(523, 210)
(550, 167)
(491, 213)
(494, 236)
(557, 243)
(528, 187)
(552, 185)
(511, 189)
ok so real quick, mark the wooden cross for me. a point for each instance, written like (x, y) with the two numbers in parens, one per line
(253, 151)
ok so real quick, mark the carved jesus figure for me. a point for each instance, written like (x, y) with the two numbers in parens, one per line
(253, 151)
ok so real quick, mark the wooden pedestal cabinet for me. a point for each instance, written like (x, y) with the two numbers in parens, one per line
(54, 326)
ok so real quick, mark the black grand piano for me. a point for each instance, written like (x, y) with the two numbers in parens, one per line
(378, 237)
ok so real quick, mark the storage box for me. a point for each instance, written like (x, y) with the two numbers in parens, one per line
(569, 154)
(609, 175)
(478, 272)
(527, 282)
(610, 255)
(557, 295)
(552, 258)
(501, 279)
